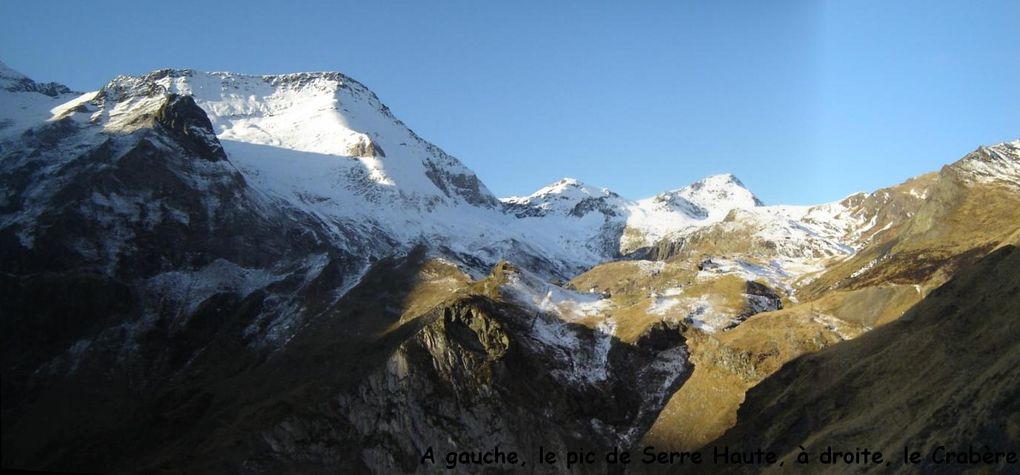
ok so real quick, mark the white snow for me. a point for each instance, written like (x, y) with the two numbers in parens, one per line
(651, 267)
(834, 325)
(702, 315)
(864, 268)
(187, 290)
(555, 307)
(20, 110)
(661, 305)
(531, 291)
(996, 163)
(294, 138)
(777, 273)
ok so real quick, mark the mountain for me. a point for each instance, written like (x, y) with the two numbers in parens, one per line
(217, 270)
(946, 373)
(906, 240)
(26, 102)
(945, 221)
(13, 81)
(352, 164)
(712, 197)
(223, 272)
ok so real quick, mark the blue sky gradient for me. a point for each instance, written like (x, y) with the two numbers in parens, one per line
(804, 101)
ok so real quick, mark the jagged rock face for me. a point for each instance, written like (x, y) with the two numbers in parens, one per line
(665, 249)
(190, 127)
(477, 375)
(760, 298)
(675, 200)
(365, 148)
(357, 387)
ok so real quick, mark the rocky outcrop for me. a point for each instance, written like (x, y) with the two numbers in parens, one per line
(480, 373)
(365, 148)
(465, 185)
(190, 127)
(664, 250)
(760, 298)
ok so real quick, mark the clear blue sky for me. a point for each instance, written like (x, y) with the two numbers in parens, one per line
(804, 101)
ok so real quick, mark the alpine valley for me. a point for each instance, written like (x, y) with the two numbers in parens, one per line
(216, 272)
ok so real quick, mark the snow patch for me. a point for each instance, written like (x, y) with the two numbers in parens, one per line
(833, 324)
(186, 290)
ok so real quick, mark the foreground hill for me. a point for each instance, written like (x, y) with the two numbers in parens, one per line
(946, 373)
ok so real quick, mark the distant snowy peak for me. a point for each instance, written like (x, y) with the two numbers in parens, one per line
(571, 187)
(995, 163)
(13, 81)
(569, 197)
(675, 202)
(8, 74)
(709, 198)
(25, 103)
(327, 114)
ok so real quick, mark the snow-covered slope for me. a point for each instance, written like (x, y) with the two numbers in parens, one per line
(567, 197)
(323, 114)
(25, 102)
(709, 198)
(324, 144)
(704, 202)
(998, 163)
(573, 212)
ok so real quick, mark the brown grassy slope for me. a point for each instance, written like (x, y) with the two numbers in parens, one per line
(947, 372)
(727, 364)
(869, 306)
(959, 222)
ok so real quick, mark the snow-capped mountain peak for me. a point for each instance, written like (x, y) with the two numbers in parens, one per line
(9, 74)
(25, 102)
(564, 189)
(995, 163)
(567, 196)
(718, 194)
(710, 198)
(312, 117)
(14, 81)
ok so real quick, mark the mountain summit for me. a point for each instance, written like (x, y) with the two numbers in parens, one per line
(338, 116)
(13, 81)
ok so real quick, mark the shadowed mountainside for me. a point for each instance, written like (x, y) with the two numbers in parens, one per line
(946, 373)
